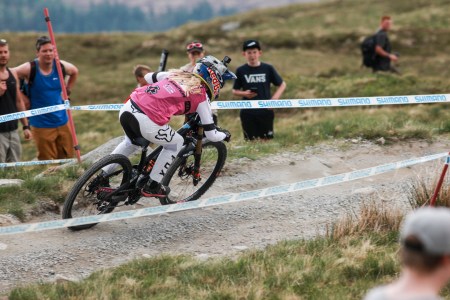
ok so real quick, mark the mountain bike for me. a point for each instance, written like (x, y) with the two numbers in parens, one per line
(189, 176)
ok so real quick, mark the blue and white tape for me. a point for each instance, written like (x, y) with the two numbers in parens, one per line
(36, 162)
(331, 102)
(101, 107)
(33, 112)
(252, 104)
(219, 200)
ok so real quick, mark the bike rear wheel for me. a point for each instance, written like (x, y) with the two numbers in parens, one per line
(179, 176)
(91, 194)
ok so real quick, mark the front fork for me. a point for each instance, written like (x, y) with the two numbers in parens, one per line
(197, 156)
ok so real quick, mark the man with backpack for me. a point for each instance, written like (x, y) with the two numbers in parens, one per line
(376, 49)
(51, 131)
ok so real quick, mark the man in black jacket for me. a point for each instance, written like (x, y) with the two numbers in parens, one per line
(383, 55)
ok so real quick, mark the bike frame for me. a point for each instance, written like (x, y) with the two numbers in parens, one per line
(191, 144)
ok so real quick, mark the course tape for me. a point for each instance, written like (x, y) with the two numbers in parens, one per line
(252, 104)
(230, 198)
(107, 107)
(36, 162)
(331, 102)
(33, 112)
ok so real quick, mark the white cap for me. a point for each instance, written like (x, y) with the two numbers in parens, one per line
(431, 226)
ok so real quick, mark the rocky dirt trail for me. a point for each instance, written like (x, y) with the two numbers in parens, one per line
(227, 229)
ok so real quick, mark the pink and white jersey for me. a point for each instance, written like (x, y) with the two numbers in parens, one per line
(161, 100)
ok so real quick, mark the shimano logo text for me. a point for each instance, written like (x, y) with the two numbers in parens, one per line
(392, 100)
(234, 104)
(13, 116)
(431, 98)
(275, 103)
(315, 102)
(353, 101)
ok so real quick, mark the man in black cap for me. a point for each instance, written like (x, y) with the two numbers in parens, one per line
(253, 83)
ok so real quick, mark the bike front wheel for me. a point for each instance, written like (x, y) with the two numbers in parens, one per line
(180, 179)
(92, 192)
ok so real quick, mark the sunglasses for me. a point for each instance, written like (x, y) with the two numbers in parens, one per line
(3, 42)
(194, 45)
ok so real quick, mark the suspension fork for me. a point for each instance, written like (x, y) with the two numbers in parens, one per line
(197, 156)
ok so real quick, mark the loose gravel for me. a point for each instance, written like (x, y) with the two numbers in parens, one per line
(223, 230)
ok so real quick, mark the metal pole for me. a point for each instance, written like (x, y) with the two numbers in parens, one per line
(441, 180)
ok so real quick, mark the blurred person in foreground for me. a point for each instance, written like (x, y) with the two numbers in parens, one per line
(424, 256)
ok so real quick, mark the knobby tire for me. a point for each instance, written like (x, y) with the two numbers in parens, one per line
(79, 198)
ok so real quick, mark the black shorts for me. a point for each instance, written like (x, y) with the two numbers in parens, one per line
(257, 123)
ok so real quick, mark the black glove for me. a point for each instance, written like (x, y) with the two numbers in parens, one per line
(227, 134)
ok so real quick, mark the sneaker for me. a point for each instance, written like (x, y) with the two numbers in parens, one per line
(155, 189)
(99, 181)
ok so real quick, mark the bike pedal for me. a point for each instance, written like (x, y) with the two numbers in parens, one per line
(153, 195)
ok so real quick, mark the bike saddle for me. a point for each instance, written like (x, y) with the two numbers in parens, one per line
(141, 142)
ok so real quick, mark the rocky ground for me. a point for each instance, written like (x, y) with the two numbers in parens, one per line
(227, 229)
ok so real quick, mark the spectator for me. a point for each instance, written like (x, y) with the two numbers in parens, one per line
(51, 131)
(139, 72)
(383, 55)
(10, 102)
(425, 257)
(194, 52)
(253, 83)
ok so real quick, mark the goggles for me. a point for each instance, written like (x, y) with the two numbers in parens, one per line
(194, 45)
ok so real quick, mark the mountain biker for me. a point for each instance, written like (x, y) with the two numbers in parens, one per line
(148, 111)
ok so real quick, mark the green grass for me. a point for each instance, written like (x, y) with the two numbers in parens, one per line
(320, 269)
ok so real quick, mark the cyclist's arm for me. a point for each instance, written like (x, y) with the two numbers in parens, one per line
(153, 77)
(205, 114)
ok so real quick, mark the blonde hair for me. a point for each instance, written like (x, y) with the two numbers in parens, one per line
(189, 82)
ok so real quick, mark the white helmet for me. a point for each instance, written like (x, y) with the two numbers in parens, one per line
(213, 73)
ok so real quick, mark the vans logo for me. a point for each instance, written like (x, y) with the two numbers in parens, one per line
(255, 78)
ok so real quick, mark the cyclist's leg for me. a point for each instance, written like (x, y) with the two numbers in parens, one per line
(126, 147)
(171, 141)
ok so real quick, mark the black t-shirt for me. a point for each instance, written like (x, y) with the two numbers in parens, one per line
(8, 103)
(382, 40)
(257, 77)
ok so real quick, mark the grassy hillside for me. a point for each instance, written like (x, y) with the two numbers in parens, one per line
(315, 48)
